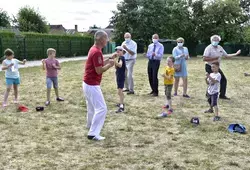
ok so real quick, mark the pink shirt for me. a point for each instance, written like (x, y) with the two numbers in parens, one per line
(50, 69)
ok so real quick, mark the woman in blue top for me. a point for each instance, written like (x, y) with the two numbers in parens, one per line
(181, 56)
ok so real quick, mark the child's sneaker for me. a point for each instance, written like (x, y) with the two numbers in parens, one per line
(217, 118)
(47, 103)
(59, 99)
(209, 111)
(5, 105)
(163, 114)
(96, 138)
(186, 96)
(120, 110)
(165, 106)
(170, 111)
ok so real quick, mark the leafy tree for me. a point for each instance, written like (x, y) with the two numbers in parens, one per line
(30, 20)
(195, 21)
(4, 19)
(94, 27)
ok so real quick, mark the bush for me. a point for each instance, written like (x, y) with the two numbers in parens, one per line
(34, 45)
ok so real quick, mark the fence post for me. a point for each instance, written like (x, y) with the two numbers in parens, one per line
(81, 49)
(24, 48)
(57, 47)
(1, 46)
(70, 46)
(43, 48)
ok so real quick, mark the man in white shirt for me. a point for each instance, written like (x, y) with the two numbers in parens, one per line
(130, 47)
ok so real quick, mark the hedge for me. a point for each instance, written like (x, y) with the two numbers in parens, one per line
(33, 46)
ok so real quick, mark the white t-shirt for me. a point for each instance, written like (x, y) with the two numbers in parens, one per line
(214, 88)
(214, 52)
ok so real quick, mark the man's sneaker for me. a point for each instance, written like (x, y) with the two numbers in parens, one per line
(47, 103)
(186, 96)
(175, 94)
(163, 114)
(130, 92)
(125, 90)
(59, 99)
(209, 111)
(15, 102)
(120, 110)
(97, 138)
(166, 106)
(170, 111)
(224, 97)
(217, 118)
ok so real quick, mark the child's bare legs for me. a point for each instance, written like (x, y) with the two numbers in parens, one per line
(121, 96)
(56, 92)
(185, 83)
(15, 87)
(216, 109)
(176, 84)
(6, 95)
(48, 94)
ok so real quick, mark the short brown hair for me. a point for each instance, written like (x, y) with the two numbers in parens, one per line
(172, 58)
(8, 52)
(50, 50)
(216, 63)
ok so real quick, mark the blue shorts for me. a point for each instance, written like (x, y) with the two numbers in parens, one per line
(120, 83)
(50, 81)
(213, 99)
(12, 81)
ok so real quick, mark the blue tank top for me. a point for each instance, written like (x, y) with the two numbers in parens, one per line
(120, 72)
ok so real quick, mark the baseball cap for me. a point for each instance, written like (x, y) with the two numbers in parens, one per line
(195, 120)
(237, 128)
(120, 48)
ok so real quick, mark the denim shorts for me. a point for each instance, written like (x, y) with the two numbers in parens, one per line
(213, 99)
(12, 81)
(50, 81)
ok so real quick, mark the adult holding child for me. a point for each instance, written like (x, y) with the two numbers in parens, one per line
(213, 53)
(130, 47)
(94, 68)
(181, 55)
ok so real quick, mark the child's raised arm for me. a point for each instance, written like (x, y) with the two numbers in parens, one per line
(22, 62)
(5, 66)
(57, 66)
(44, 64)
(118, 64)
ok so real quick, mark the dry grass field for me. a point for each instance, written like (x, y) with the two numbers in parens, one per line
(55, 139)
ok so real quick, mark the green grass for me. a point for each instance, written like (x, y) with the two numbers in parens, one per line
(56, 138)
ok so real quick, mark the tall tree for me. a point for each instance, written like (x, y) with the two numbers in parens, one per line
(4, 19)
(195, 20)
(31, 20)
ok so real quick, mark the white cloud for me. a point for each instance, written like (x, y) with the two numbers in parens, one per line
(83, 13)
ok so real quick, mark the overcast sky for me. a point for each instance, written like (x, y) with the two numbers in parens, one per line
(83, 13)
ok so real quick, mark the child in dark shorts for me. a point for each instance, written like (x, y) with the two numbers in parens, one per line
(213, 82)
(120, 65)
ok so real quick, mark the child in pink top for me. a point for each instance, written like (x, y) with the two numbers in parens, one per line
(51, 65)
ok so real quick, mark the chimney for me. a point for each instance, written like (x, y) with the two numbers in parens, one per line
(76, 29)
